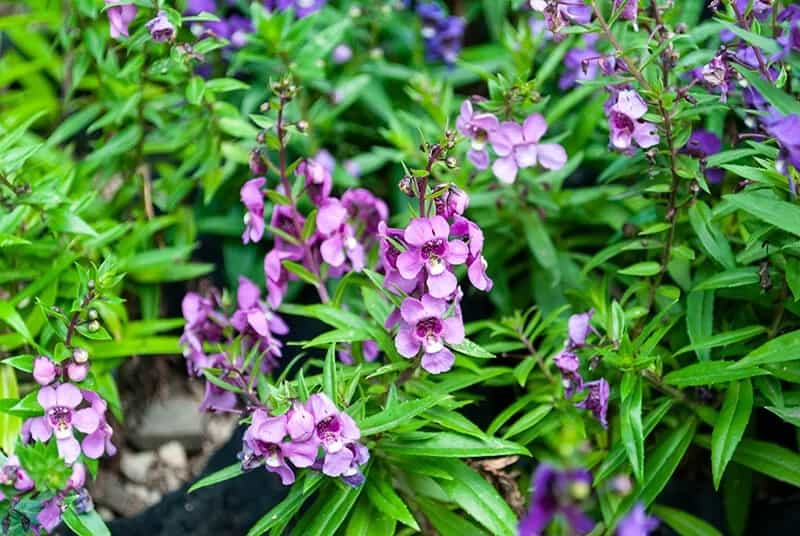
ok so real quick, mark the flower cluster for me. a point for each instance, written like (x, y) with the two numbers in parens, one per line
(625, 110)
(419, 263)
(442, 33)
(516, 146)
(313, 434)
(49, 517)
(568, 362)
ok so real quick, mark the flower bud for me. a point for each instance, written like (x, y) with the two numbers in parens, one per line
(160, 28)
(80, 355)
(257, 164)
(302, 125)
(406, 185)
(451, 162)
(77, 372)
(93, 326)
(90, 284)
(44, 370)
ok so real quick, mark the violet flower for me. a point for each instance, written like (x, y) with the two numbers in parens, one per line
(787, 131)
(98, 442)
(341, 54)
(217, 400)
(194, 7)
(518, 147)
(476, 127)
(429, 248)
(579, 327)
(630, 10)
(476, 263)
(557, 492)
(366, 211)
(626, 124)
(597, 400)
(637, 523)
(160, 28)
(561, 13)
(442, 34)
(701, 145)
(60, 416)
(339, 237)
(119, 18)
(44, 370)
(453, 202)
(318, 180)
(12, 474)
(254, 314)
(337, 433)
(568, 363)
(302, 8)
(393, 280)
(424, 327)
(264, 439)
(253, 200)
(580, 64)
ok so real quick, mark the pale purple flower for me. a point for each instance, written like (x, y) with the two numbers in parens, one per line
(98, 442)
(557, 492)
(217, 400)
(580, 64)
(429, 248)
(390, 238)
(50, 515)
(12, 474)
(560, 13)
(277, 277)
(253, 200)
(264, 438)
(518, 147)
(77, 372)
(193, 7)
(787, 131)
(476, 263)
(424, 327)
(637, 523)
(579, 326)
(476, 127)
(317, 179)
(626, 124)
(453, 202)
(365, 210)
(302, 8)
(597, 400)
(203, 322)
(339, 239)
(336, 432)
(442, 34)
(701, 145)
(568, 363)
(60, 416)
(342, 53)
(253, 314)
(119, 18)
(630, 11)
(160, 28)
(346, 463)
(44, 370)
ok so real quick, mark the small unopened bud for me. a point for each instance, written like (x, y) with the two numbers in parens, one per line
(681, 28)
(77, 372)
(93, 326)
(355, 12)
(376, 53)
(436, 151)
(257, 164)
(80, 355)
(302, 125)
(406, 185)
(451, 162)
(622, 485)
(90, 284)
(261, 137)
(92, 314)
(264, 107)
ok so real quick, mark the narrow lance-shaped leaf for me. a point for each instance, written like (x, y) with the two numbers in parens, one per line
(631, 420)
(730, 426)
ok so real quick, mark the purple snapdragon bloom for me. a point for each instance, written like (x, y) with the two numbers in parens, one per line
(424, 327)
(787, 131)
(561, 13)
(580, 64)
(45, 370)
(365, 210)
(557, 492)
(429, 248)
(442, 34)
(597, 400)
(701, 145)
(255, 314)
(302, 8)
(476, 262)
(579, 326)
(626, 124)
(264, 441)
(336, 432)
(637, 523)
(452, 203)
(12, 474)
(518, 147)
(253, 200)
(60, 416)
(339, 237)
(630, 11)
(119, 18)
(389, 253)
(193, 7)
(160, 28)
(317, 178)
(203, 324)
(760, 8)
(98, 442)
(568, 363)
(476, 127)
(342, 53)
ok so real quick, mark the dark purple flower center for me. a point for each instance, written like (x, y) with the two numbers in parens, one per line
(60, 417)
(328, 429)
(428, 326)
(434, 248)
(621, 121)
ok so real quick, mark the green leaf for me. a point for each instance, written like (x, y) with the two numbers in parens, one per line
(710, 236)
(448, 523)
(781, 100)
(329, 372)
(781, 214)
(540, 244)
(700, 320)
(469, 348)
(386, 500)
(684, 524)
(790, 415)
(232, 471)
(729, 279)
(765, 43)
(87, 524)
(9, 424)
(195, 90)
(730, 426)
(709, 373)
(724, 339)
(495, 11)
(329, 511)
(302, 272)
(366, 520)
(642, 269)
(224, 85)
(10, 316)
(631, 421)
(478, 498)
(450, 445)
(778, 350)
(129, 347)
(288, 507)
(528, 421)
(398, 413)
(660, 466)
(767, 458)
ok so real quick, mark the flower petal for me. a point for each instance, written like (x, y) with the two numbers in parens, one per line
(505, 169)
(418, 232)
(534, 128)
(68, 395)
(69, 449)
(406, 343)
(525, 155)
(47, 397)
(409, 263)
(552, 156)
(86, 420)
(442, 285)
(438, 362)
(412, 310)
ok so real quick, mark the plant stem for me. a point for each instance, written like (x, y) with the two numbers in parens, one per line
(73, 321)
(535, 355)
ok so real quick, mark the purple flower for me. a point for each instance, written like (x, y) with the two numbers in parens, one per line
(302, 8)
(60, 416)
(253, 200)
(336, 432)
(217, 400)
(442, 34)
(98, 442)
(787, 131)
(50, 515)
(702, 144)
(637, 523)
(452, 202)
(581, 64)
(424, 327)
(264, 439)
(276, 275)
(369, 349)
(476, 263)
(203, 324)
(560, 13)
(44, 370)
(518, 147)
(390, 238)
(429, 247)
(77, 372)
(626, 125)
(579, 327)
(160, 28)
(568, 363)
(342, 53)
(119, 18)
(318, 179)
(597, 400)
(253, 316)
(12, 474)
(557, 492)
(339, 238)
(630, 10)
(193, 7)
(476, 127)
